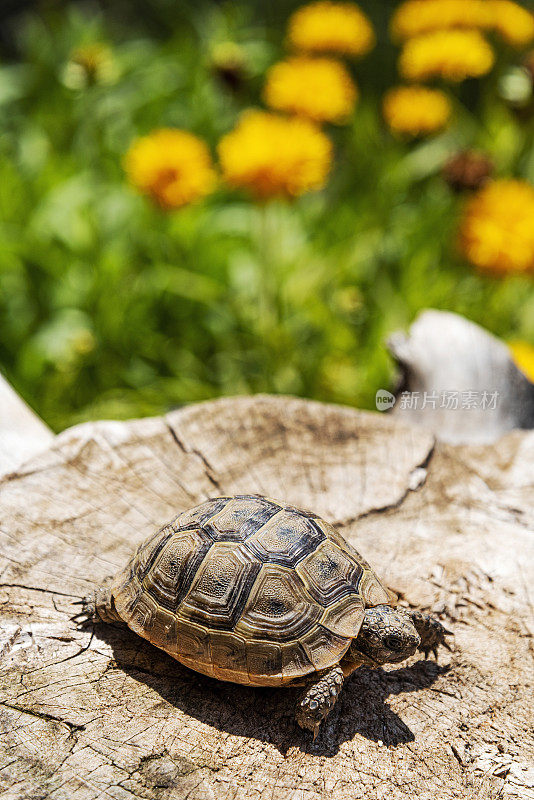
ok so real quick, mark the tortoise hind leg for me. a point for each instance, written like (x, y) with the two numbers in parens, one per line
(318, 699)
(99, 606)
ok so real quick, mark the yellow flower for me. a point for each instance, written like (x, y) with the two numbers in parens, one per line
(416, 110)
(172, 166)
(510, 20)
(523, 355)
(452, 55)
(328, 27)
(497, 229)
(415, 17)
(274, 156)
(318, 88)
(514, 23)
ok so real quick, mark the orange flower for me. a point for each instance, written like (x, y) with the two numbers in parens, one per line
(513, 22)
(172, 166)
(329, 27)
(274, 156)
(318, 88)
(452, 55)
(416, 110)
(497, 230)
(415, 17)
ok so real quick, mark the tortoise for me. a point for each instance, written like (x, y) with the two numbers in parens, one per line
(255, 591)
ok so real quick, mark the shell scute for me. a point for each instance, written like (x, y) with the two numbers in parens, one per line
(328, 573)
(240, 518)
(373, 592)
(323, 647)
(344, 617)
(278, 607)
(164, 631)
(370, 587)
(193, 645)
(264, 662)
(221, 586)
(295, 661)
(142, 615)
(148, 550)
(343, 544)
(229, 656)
(174, 566)
(198, 515)
(285, 539)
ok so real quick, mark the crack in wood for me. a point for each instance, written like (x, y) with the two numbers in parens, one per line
(37, 589)
(73, 726)
(242, 742)
(396, 504)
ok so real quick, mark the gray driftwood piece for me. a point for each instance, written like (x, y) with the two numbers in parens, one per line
(90, 714)
(22, 433)
(445, 353)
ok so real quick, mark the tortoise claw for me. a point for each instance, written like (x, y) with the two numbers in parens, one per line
(432, 633)
(86, 615)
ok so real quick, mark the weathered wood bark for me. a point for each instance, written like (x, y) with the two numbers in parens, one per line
(99, 713)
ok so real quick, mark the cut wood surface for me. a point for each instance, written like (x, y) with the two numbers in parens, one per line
(98, 713)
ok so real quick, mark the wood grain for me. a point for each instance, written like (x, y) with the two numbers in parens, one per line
(98, 713)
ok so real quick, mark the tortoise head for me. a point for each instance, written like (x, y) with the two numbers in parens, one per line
(387, 636)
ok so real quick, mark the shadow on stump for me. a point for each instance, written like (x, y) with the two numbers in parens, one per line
(267, 714)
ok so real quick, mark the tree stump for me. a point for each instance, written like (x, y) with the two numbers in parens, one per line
(98, 713)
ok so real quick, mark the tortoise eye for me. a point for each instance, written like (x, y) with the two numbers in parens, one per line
(392, 642)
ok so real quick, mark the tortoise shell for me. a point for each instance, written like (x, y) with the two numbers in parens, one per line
(249, 590)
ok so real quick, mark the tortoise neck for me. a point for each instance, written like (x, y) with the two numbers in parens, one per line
(353, 661)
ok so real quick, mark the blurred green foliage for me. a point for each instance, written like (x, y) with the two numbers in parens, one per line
(111, 308)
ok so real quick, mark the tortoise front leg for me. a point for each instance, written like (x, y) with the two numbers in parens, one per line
(319, 698)
(431, 631)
